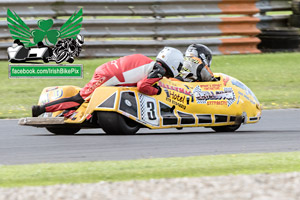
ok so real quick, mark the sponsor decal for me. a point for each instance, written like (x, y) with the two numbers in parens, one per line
(50, 95)
(225, 80)
(202, 97)
(211, 87)
(246, 97)
(177, 97)
(217, 103)
(180, 105)
(245, 88)
(175, 88)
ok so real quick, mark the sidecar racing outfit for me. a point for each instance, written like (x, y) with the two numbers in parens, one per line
(133, 70)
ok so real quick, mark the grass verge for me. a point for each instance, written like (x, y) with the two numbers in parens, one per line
(272, 77)
(88, 172)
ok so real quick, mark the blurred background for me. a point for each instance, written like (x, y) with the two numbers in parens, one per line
(121, 27)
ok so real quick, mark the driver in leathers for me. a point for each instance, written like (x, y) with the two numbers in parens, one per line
(196, 65)
(133, 70)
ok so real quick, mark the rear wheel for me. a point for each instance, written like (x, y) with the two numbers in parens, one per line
(115, 124)
(63, 131)
(46, 60)
(230, 128)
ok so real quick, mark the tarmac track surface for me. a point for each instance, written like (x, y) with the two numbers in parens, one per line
(278, 131)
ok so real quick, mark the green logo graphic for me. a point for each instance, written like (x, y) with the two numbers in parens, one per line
(19, 30)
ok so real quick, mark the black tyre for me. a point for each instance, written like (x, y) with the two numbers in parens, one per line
(70, 60)
(295, 20)
(296, 6)
(62, 57)
(279, 39)
(115, 124)
(230, 128)
(46, 60)
(63, 131)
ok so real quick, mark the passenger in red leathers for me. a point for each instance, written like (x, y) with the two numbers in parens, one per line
(133, 70)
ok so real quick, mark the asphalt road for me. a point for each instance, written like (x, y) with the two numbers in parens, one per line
(278, 131)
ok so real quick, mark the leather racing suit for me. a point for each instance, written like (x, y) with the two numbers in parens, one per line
(133, 70)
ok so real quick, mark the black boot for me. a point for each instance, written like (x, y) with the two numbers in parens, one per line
(37, 110)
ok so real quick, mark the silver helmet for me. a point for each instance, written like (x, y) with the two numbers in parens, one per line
(171, 59)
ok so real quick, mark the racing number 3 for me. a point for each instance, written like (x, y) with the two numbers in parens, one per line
(151, 112)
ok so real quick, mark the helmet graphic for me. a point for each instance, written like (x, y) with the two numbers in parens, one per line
(200, 51)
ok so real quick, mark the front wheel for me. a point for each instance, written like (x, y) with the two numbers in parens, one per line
(63, 131)
(230, 128)
(62, 56)
(115, 124)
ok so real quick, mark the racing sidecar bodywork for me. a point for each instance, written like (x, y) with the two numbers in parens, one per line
(19, 53)
(222, 105)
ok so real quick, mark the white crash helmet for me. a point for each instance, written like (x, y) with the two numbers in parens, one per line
(79, 40)
(171, 59)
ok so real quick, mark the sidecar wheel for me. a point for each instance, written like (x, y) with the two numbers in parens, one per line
(63, 131)
(115, 124)
(230, 128)
(46, 60)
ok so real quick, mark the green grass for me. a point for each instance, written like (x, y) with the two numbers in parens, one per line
(18, 95)
(144, 169)
(272, 77)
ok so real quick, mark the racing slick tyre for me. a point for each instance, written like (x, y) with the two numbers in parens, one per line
(115, 124)
(230, 128)
(63, 131)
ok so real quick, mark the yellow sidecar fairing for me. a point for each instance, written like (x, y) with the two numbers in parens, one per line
(50, 94)
(180, 104)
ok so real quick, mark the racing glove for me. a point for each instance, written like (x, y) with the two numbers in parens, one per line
(158, 88)
(146, 85)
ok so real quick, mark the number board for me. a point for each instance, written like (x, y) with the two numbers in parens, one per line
(148, 110)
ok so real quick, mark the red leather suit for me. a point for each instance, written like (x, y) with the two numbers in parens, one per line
(133, 70)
